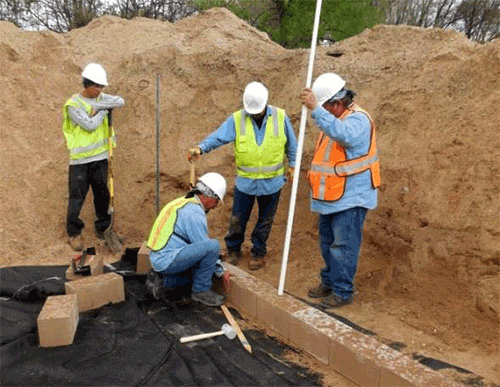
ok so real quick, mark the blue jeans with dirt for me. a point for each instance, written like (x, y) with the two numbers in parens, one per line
(340, 237)
(197, 260)
(242, 209)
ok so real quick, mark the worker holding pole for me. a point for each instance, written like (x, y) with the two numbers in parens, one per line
(262, 135)
(86, 130)
(343, 178)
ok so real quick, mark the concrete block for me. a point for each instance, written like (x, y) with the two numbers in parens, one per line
(96, 268)
(96, 291)
(58, 320)
(309, 338)
(353, 363)
(358, 357)
(143, 262)
(244, 298)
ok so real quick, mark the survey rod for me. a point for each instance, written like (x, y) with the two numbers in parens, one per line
(295, 182)
(157, 144)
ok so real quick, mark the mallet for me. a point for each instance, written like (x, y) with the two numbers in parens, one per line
(226, 330)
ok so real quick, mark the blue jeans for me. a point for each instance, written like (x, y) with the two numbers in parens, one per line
(242, 208)
(340, 241)
(201, 258)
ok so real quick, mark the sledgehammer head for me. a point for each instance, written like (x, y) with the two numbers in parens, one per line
(228, 331)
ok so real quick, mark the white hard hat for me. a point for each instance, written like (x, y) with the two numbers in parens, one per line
(215, 182)
(95, 72)
(326, 86)
(255, 98)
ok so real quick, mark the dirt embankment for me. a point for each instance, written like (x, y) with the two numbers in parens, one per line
(431, 255)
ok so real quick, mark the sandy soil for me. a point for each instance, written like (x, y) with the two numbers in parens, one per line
(428, 275)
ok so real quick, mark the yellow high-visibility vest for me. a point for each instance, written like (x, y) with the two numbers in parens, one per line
(164, 225)
(81, 143)
(264, 161)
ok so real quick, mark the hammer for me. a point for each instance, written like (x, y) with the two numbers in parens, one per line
(226, 330)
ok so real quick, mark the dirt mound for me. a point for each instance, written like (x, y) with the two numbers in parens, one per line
(431, 255)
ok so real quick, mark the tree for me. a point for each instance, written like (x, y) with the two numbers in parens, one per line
(480, 18)
(290, 22)
(166, 10)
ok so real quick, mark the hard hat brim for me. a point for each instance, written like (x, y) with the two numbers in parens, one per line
(253, 111)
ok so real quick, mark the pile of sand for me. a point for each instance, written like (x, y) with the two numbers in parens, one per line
(431, 248)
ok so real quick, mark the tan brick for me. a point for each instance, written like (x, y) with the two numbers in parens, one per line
(96, 268)
(58, 320)
(94, 292)
(143, 262)
(241, 296)
(309, 339)
(353, 364)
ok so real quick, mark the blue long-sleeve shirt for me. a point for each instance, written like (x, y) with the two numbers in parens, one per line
(353, 134)
(190, 227)
(226, 133)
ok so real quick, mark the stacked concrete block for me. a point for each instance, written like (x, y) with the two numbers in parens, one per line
(96, 268)
(96, 291)
(58, 320)
(143, 262)
(354, 355)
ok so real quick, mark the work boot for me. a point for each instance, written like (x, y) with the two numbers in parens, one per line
(319, 291)
(233, 256)
(76, 242)
(333, 301)
(112, 240)
(208, 298)
(154, 284)
(256, 263)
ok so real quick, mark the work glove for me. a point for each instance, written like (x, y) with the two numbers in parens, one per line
(194, 154)
(289, 173)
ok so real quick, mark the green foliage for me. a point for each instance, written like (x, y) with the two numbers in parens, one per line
(290, 22)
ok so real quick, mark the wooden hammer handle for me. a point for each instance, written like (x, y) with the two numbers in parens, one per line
(236, 328)
(201, 336)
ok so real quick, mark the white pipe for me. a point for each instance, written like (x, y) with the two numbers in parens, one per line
(295, 183)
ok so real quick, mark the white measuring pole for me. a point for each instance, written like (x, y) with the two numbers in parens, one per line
(295, 183)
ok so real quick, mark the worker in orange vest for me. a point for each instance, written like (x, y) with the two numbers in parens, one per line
(343, 178)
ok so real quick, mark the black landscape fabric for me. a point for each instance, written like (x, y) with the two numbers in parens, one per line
(133, 343)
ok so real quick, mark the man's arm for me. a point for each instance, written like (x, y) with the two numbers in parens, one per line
(225, 134)
(106, 102)
(291, 143)
(80, 117)
(350, 132)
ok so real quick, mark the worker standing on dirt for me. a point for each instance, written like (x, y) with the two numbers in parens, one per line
(86, 130)
(262, 135)
(179, 241)
(344, 178)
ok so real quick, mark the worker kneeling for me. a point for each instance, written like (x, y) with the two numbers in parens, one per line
(179, 241)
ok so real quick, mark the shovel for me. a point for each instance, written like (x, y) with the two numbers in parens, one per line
(112, 240)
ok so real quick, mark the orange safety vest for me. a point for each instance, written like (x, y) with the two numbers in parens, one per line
(330, 166)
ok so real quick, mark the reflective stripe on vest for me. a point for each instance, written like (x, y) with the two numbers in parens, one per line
(164, 225)
(264, 161)
(81, 143)
(330, 167)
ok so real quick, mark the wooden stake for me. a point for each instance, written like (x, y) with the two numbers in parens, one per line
(236, 328)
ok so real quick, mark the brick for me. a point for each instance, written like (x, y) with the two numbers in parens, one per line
(243, 297)
(143, 262)
(309, 338)
(96, 291)
(58, 320)
(96, 268)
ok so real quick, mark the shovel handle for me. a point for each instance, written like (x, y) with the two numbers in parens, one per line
(192, 174)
